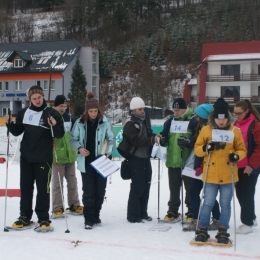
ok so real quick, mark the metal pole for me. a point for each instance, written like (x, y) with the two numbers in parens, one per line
(6, 175)
(234, 211)
(159, 180)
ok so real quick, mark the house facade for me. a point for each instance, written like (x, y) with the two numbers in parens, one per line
(231, 71)
(46, 64)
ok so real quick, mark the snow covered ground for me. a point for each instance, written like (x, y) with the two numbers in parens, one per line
(116, 239)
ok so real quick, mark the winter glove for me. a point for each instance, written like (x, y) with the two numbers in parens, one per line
(183, 142)
(163, 141)
(208, 147)
(233, 157)
(198, 171)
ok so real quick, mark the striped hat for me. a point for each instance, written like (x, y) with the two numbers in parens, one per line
(35, 90)
(91, 101)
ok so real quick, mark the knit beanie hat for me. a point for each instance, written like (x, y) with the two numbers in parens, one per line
(35, 90)
(60, 100)
(91, 101)
(136, 102)
(203, 110)
(221, 109)
(179, 103)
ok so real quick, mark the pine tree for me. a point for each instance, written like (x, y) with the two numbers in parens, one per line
(77, 94)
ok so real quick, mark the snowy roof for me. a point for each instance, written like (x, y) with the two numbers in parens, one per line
(231, 57)
(39, 56)
(192, 82)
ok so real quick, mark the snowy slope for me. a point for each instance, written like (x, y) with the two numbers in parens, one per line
(116, 238)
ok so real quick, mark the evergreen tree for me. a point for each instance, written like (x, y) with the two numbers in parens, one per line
(77, 94)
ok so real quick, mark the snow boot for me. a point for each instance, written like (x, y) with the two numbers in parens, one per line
(76, 209)
(44, 224)
(147, 218)
(58, 213)
(192, 226)
(171, 216)
(189, 216)
(214, 224)
(202, 235)
(222, 236)
(22, 222)
(89, 225)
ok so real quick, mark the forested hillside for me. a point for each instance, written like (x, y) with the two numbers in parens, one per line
(146, 47)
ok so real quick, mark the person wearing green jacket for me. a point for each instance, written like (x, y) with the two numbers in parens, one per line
(65, 165)
(179, 136)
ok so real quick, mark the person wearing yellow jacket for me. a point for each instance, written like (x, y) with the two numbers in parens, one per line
(221, 144)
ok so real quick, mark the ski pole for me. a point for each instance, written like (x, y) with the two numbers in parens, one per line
(203, 190)
(182, 210)
(158, 190)
(233, 193)
(7, 159)
(58, 171)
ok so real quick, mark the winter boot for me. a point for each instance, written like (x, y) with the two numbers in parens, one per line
(77, 209)
(58, 213)
(214, 224)
(222, 236)
(189, 216)
(147, 218)
(44, 224)
(202, 235)
(22, 222)
(172, 216)
(192, 226)
(89, 224)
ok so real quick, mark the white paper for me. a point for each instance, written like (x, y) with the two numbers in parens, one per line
(104, 166)
(190, 173)
(179, 127)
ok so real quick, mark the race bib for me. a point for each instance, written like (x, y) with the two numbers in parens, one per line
(224, 136)
(32, 117)
(179, 127)
(67, 126)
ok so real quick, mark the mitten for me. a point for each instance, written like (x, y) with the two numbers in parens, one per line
(183, 142)
(233, 157)
(198, 171)
(208, 147)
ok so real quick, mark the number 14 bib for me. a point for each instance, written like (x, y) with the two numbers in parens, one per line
(225, 136)
(179, 127)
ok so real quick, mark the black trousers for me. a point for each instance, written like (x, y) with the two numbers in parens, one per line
(94, 189)
(175, 181)
(141, 173)
(245, 191)
(41, 174)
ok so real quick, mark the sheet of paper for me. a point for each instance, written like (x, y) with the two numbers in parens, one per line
(190, 173)
(104, 166)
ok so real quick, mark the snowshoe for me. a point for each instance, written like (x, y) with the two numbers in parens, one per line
(171, 218)
(58, 213)
(222, 236)
(44, 226)
(75, 210)
(22, 223)
(202, 235)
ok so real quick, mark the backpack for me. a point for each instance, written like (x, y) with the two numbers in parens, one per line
(125, 146)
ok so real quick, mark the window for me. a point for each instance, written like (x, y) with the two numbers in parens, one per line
(94, 85)
(1, 87)
(6, 86)
(94, 62)
(258, 69)
(4, 111)
(38, 83)
(18, 63)
(45, 85)
(230, 69)
(18, 85)
(230, 92)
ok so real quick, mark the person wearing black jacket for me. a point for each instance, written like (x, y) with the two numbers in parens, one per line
(36, 150)
(140, 164)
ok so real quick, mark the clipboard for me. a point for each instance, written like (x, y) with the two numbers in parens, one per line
(104, 166)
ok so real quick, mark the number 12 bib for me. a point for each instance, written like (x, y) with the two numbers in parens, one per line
(225, 136)
(179, 127)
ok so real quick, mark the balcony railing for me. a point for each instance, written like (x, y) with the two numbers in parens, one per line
(212, 100)
(235, 77)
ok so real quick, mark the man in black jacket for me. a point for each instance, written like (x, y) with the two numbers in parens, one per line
(35, 123)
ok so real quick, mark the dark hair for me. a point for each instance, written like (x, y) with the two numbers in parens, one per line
(246, 104)
(201, 122)
(85, 115)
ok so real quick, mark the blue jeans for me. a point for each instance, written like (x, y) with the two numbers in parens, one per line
(210, 194)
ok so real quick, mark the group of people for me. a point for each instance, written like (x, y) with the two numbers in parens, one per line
(226, 155)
